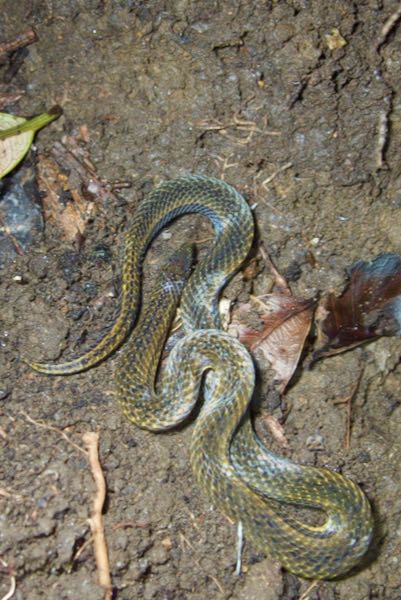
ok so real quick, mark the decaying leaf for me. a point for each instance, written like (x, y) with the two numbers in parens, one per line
(62, 204)
(70, 200)
(277, 325)
(370, 307)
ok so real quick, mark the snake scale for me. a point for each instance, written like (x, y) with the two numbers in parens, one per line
(240, 475)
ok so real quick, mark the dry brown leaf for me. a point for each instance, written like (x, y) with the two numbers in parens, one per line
(369, 307)
(285, 323)
(62, 204)
(10, 98)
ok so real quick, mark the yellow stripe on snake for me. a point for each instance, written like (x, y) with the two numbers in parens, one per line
(241, 476)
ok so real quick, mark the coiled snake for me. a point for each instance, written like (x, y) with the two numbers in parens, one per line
(241, 476)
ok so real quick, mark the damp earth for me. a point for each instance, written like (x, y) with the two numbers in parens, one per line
(297, 105)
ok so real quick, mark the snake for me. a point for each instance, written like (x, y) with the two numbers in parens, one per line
(242, 477)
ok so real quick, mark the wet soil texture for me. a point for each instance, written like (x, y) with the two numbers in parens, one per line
(296, 104)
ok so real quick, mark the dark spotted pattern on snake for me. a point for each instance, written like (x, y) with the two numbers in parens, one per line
(241, 476)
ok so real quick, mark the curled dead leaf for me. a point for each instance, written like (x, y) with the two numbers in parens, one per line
(65, 206)
(369, 307)
(284, 324)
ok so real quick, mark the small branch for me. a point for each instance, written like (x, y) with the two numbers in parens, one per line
(382, 138)
(52, 428)
(7, 232)
(348, 402)
(299, 90)
(388, 26)
(273, 175)
(82, 549)
(11, 591)
(305, 595)
(225, 164)
(91, 441)
(20, 41)
(9, 98)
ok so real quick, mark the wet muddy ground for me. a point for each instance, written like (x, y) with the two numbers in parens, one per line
(297, 104)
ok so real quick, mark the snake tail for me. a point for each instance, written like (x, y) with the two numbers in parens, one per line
(312, 551)
(232, 466)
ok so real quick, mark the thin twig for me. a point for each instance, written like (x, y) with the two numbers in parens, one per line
(52, 428)
(348, 402)
(82, 549)
(7, 232)
(10, 98)
(212, 577)
(382, 138)
(279, 281)
(305, 594)
(20, 41)
(225, 164)
(299, 90)
(91, 441)
(240, 547)
(277, 172)
(238, 125)
(388, 26)
(13, 584)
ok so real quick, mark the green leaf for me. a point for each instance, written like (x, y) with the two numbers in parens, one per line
(16, 136)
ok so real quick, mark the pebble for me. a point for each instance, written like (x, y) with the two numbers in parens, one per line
(158, 555)
(38, 265)
(4, 392)
(140, 569)
(315, 442)
(45, 526)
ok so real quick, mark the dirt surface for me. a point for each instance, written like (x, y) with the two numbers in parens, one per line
(295, 105)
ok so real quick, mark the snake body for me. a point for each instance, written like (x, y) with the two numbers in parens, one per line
(233, 227)
(241, 476)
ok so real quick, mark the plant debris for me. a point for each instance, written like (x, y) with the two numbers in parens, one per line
(16, 136)
(21, 40)
(91, 441)
(62, 204)
(70, 185)
(284, 324)
(370, 307)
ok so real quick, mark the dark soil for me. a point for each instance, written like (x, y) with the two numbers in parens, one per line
(253, 92)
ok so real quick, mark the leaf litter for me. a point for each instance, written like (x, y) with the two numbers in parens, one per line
(284, 325)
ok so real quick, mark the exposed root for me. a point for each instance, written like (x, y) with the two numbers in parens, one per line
(91, 441)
